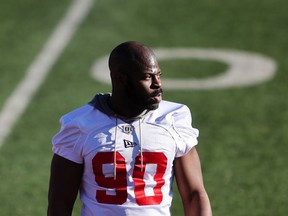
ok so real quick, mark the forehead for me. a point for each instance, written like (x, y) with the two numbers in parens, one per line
(150, 65)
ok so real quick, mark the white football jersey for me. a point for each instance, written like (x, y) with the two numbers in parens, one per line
(128, 167)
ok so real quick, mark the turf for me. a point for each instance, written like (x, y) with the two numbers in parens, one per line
(243, 131)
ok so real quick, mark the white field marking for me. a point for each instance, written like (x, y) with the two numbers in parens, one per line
(39, 69)
(244, 68)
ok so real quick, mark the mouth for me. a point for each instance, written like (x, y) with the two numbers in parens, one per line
(156, 96)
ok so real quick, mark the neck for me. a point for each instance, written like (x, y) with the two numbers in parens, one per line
(124, 108)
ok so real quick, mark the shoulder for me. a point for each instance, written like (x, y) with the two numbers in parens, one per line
(83, 116)
(77, 113)
(75, 127)
(177, 120)
(71, 124)
(166, 107)
(170, 112)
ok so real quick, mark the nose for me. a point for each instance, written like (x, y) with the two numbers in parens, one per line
(156, 81)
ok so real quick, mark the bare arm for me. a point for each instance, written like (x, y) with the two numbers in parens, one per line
(65, 180)
(190, 184)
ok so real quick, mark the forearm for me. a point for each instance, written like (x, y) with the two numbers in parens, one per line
(55, 210)
(65, 180)
(197, 204)
(60, 204)
(190, 184)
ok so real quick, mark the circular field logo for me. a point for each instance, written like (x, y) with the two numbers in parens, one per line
(244, 68)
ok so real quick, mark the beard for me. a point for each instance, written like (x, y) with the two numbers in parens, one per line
(151, 103)
(142, 101)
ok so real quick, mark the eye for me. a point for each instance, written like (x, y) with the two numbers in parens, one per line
(147, 76)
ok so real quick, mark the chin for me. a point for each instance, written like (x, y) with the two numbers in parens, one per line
(153, 106)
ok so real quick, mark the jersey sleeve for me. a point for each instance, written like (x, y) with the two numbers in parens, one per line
(186, 137)
(67, 142)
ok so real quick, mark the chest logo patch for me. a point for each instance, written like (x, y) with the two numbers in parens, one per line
(129, 144)
(128, 129)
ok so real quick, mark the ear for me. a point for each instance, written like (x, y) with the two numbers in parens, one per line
(121, 78)
(119, 81)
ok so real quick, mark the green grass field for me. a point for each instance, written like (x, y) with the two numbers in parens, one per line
(243, 131)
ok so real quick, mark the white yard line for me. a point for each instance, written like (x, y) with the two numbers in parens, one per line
(39, 69)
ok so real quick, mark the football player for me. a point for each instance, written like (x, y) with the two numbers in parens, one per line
(123, 149)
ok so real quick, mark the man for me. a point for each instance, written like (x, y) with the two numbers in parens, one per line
(123, 149)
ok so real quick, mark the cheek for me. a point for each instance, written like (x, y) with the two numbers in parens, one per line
(140, 88)
(143, 89)
(134, 90)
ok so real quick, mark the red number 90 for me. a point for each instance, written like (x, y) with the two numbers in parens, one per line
(120, 182)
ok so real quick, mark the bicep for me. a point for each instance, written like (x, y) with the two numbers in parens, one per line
(65, 180)
(188, 173)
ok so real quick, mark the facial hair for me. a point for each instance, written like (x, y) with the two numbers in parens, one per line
(150, 105)
(144, 101)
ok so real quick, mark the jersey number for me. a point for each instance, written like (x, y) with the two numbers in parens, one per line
(119, 184)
